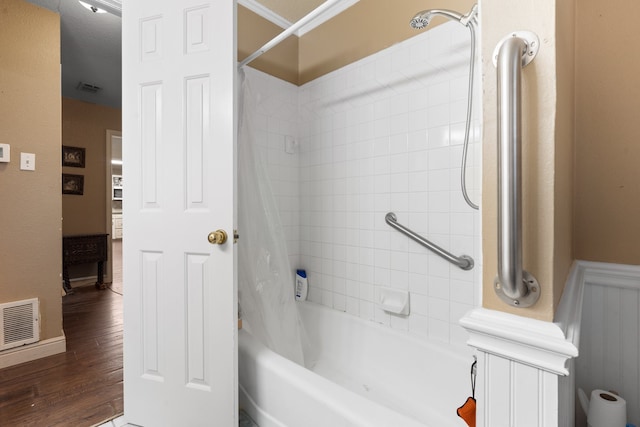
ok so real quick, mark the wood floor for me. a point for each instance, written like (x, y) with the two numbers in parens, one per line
(81, 387)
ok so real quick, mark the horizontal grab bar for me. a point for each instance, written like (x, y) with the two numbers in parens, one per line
(465, 262)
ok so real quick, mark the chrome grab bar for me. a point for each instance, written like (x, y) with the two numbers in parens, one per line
(513, 285)
(465, 262)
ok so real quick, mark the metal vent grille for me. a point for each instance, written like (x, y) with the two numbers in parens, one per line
(88, 87)
(19, 323)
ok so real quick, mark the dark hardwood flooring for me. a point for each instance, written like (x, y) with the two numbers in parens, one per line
(81, 387)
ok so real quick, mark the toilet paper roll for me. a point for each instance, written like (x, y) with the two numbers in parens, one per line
(606, 410)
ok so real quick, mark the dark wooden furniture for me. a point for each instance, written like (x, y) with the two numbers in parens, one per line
(84, 249)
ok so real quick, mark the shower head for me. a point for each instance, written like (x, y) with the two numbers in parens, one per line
(422, 19)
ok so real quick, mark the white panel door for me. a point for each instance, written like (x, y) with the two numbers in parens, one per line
(180, 299)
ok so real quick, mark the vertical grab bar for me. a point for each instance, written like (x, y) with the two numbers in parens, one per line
(513, 285)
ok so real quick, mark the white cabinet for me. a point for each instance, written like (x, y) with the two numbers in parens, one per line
(116, 187)
(116, 226)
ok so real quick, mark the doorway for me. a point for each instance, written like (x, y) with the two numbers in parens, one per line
(113, 214)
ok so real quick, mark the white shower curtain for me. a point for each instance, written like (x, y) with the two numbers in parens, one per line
(265, 277)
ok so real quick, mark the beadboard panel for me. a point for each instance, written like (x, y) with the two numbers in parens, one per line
(610, 343)
(527, 366)
(515, 394)
(529, 370)
(567, 397)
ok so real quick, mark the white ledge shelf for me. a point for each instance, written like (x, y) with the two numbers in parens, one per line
(542, 345)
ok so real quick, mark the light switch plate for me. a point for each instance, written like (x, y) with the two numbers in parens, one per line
(27, 161)
(5, 153)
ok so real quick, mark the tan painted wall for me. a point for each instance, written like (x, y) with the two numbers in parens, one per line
(565, 146)
(365, 28)
(85, 125)
(340, 41)
(607, 226)
(253, 32)
(30, 204)
(547, 111)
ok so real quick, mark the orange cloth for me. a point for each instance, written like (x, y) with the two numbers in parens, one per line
(468, 412)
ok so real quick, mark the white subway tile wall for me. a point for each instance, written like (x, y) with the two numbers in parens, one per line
(381, 135)
(276, 122)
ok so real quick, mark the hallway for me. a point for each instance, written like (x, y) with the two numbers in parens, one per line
(81, 387)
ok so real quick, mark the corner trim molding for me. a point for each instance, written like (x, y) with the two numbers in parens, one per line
(324, 17)
(283, 23)
(34, 351)
(544, 345)
(112, 6)
(530, 342)
(512, 348)
(618, 275)
(267, 14)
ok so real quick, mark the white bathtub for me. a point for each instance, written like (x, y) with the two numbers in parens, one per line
(361, 374)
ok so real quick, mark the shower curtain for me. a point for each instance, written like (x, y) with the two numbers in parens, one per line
(265, 277)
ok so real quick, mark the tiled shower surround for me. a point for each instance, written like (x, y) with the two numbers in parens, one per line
(380, 135)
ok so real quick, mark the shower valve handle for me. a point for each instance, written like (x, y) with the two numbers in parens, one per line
(218, 237)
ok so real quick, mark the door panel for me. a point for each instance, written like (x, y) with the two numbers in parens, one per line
(180, 297)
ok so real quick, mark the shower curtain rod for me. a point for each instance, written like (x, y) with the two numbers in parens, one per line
(286, 33)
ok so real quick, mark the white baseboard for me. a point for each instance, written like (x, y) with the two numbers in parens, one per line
(35, 351)
(80, 282)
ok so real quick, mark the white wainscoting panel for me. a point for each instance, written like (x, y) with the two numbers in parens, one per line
(526, 370)
(610, 340)
(515, 394)
(567, 396)
(529, 370)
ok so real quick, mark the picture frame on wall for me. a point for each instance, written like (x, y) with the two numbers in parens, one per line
(5, 153)
(72, 184)
(73, 156)
(116, 187)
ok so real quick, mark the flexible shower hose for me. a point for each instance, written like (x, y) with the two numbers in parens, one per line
(465, 148)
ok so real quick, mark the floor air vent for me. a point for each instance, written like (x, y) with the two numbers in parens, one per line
(19, 323)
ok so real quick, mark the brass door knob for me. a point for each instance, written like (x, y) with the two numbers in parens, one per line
(218, 237)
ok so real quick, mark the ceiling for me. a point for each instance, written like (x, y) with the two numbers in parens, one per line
(91, 42)
(90, 51)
